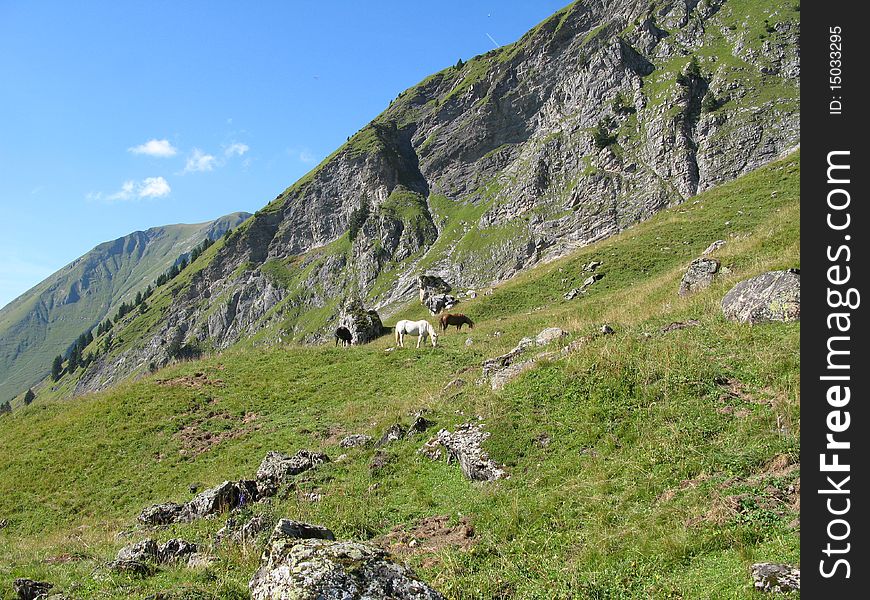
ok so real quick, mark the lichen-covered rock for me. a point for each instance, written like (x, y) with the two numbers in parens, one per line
(221, 498)
(393, 434)
(713, 247)
(550, 334)
(776, 577)
(162, 514)
(243, 533)
(175, 549)
(28, 589)
(364, 324)
(771, 296)
(356, 440)
(316, 569)
(288, 529)
(277, 468)
(464, 446)
(699, 275)
(140, 568)
(141, 550)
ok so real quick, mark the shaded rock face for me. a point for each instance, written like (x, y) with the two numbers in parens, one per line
(776, 577)
(699, 275)
(242, 533)
(464, 446)
(288, 529)
(364, 325)
(508, 134)
(313, 569)
(162, 514)
(772, 296)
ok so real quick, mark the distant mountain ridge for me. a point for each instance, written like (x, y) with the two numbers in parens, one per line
(45, 320)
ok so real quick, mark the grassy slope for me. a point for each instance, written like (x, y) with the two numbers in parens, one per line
(629, 418)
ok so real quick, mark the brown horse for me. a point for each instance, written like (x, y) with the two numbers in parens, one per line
(459, 320)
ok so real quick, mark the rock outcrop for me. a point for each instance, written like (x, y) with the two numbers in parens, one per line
(28, 589)
(277, 468)
(318, 568)
(699, 275)
(776, 577)
(772, 296)
(364, 324)
(463, 446)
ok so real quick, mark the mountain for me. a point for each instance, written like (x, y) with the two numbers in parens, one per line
(46, 320)
(598, 118)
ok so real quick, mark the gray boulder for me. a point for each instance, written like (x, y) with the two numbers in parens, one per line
(221, 498)
(288, 529)
(772, 296)
(142, 550)
(365, 325)
(713, 247)
(776, 577)
(175, 550)
(699, 275)
(548, 335)
(394, 433)
(464, 447)
(162, 514)
(243, 533)
(313, 569)
(440, 302)
(356, 440)
(276, 468)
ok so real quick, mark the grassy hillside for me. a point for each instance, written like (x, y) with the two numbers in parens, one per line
(644, 464)
(45, 321)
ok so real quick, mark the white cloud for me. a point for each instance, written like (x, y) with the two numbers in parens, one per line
(158, 148)
(154, 187)
(236, 149)
(199, 161)
(150, 187)
(307, 157)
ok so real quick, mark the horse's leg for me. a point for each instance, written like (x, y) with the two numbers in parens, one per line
(419, 339)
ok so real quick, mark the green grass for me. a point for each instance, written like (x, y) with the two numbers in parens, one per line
(601, 511)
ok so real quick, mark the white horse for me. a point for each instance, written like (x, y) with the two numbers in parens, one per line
(419, 328)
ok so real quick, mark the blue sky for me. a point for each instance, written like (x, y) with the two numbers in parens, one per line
(119, 116)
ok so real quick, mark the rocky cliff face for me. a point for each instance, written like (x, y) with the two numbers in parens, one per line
(597, 118)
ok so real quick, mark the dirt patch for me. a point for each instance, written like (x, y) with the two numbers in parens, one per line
(427, 537)
(66, 557)
(200, 436)
(677, 325)
(734, 389)
(197, 381)
(331, 435)
(685, 484)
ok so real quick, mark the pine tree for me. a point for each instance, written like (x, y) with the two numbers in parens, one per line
(74, 357)
(56, 367)
(29, 396)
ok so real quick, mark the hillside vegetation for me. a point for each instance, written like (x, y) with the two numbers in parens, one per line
(644, 464)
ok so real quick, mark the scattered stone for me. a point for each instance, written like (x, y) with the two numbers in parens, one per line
(162, 514)
(288, 530)
(356, 440)
(4, 523)
(139, 568)
(680, 325)
(548, 335)
(543, 440)
(175, 550)
(28, 589)
(699, 275)
(591, 266)
(464, 447)
(419, 425)
(573, 293)
(142, 550)
(394, 433)
(276, 468)
(713, 247)
(316, 568)
(771, 296)
(471, 294)
(440, 302)
(776, 577)
(468, 342)
(379, 461)
(455, 384)
(607, 330)
(221, 498)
